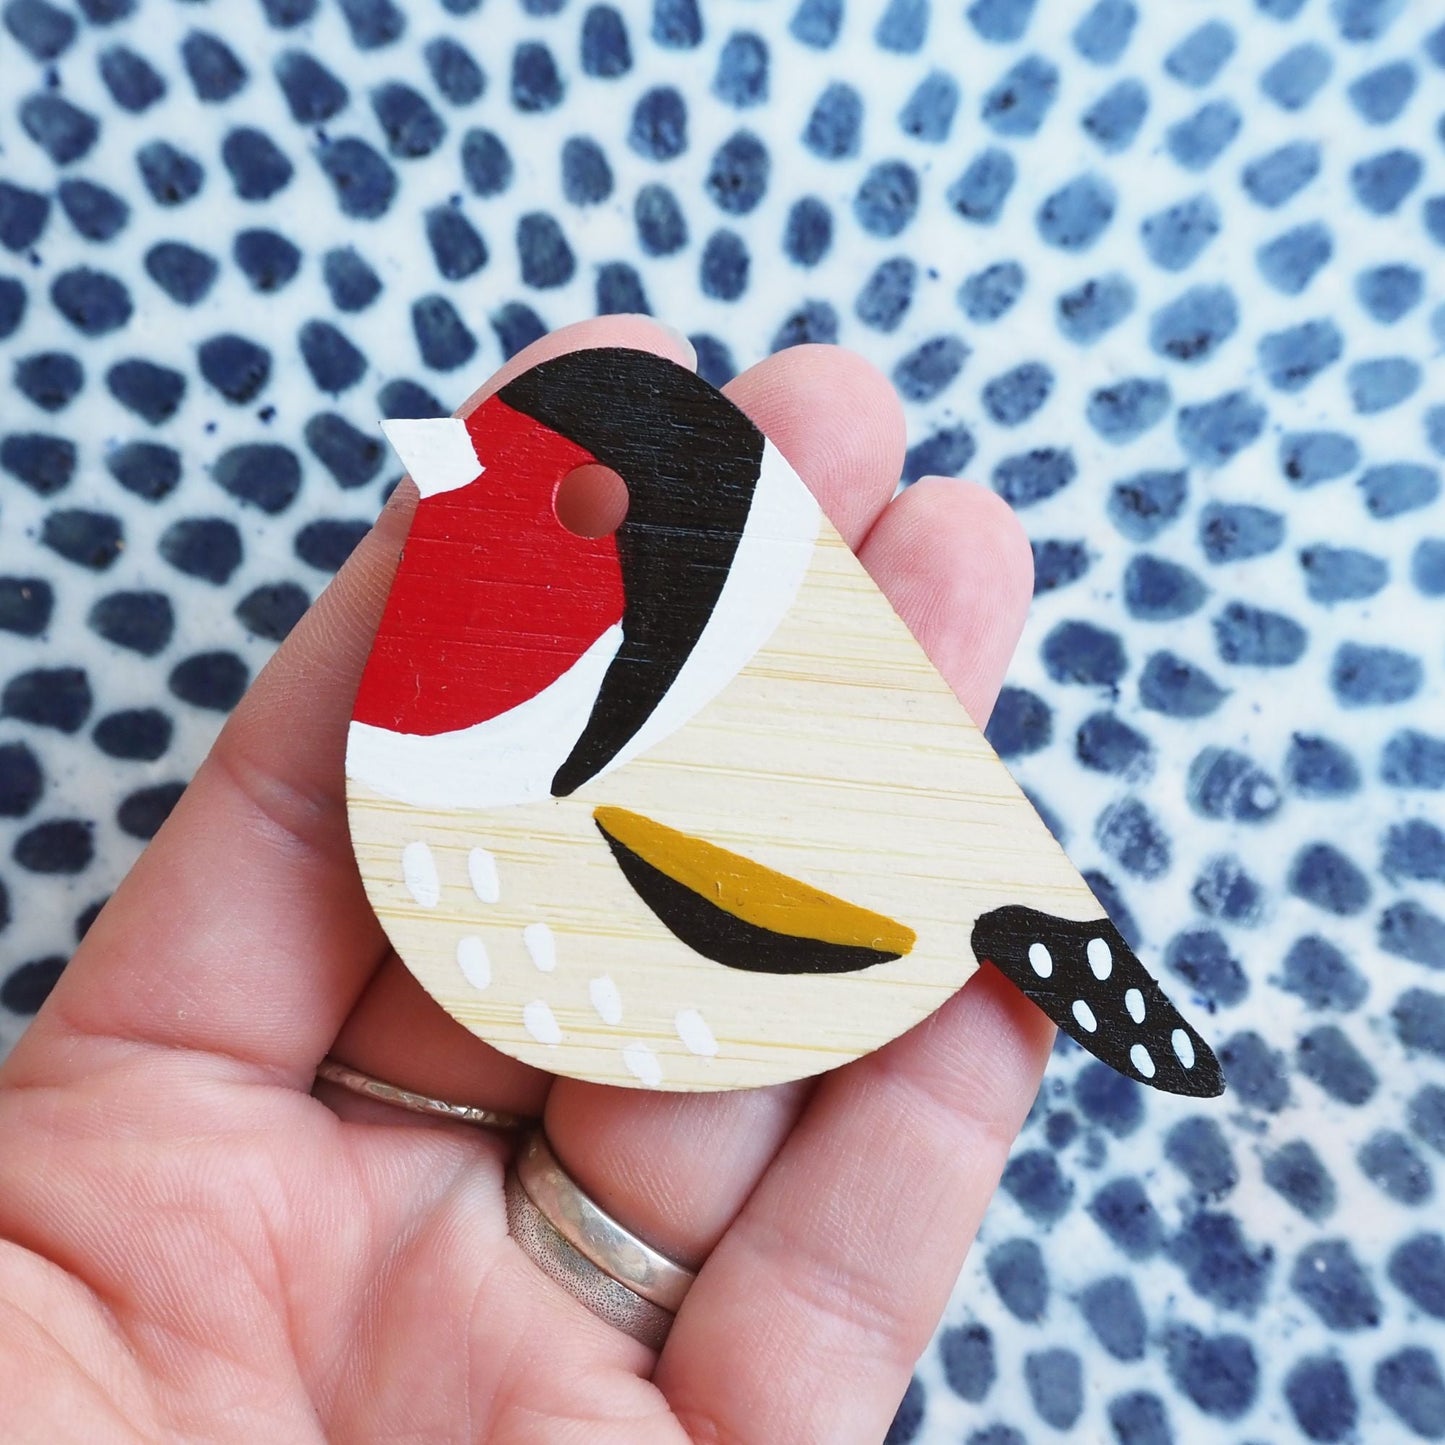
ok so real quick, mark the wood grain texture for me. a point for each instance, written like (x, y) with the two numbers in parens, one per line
(837, 756)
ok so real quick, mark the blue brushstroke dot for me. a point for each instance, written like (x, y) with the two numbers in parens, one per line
(312, 92)
(352, 284)
(1017, 1271)
(1015, 396)
(1130, 834)
(1055, 1381)
(1426, 1116)
(352, 457)
(816, 22)
(170, 175)
(1219, 1263)
(1177, 688)
(373, 23)
(812, 322)
(1389, 292)
(1111, 1309)
(966, 1353)
(411, 125)
(1323, 1400)
(1194, 325)
(1393, 488)
(154, 393)
(334, 362)
(676, 24)
(723, 269)
(980, 192)
(1224, 890)
(1157, 590)
(42, 29)
(1417, 1267)
(44, 463)
(1202, 958)
(1413, 849)
(1427, 567)
(261, 475)
(1114, 119)
(945, 453)
(1295, 78)
(516, 326)
(1290, 261)
(1000, 21)
(1319, 768)
(1197, 141)
(1383, 382)
(453, 70)
(1097, 306)
(1057, 563)
(1042, 1190)
(586, 174)
(887, 198)
(1321, 974)
(661, 227)
(1414, 759)
(1174, 237)
(95, 211)
(909, 1417)
(1331, 1281)
(1255, 1073)
(1409, 1382)
(1031, 477)
(927, 114)
(808, 232)
(1123, 1212)
(1363, 20)
(1381, 94)
(1074, 216)
(49, 378)
(926, 370)
(1102, 35)
(741, 78)
(12, 307)
(1309, 458)
(902, 27)
(836, 121)
(62, 130)
(1362, 676)
(546, 258)
(1322, 875)
(886, 294)
(441, 335)
(1342, 574)
(1021, 723)
(94, 302)
(364, 183)
(1234, 532)
(1382, 182)
(1107, 744)
(1271, 180)
(620, 291)
(536, 83)
(266, 258)
(1419, 1018)
(1410, 931)
(1256, 637)
(737, 175)
(1019, 101)
(1202, 54)
(658, 129)
(1141, 506)
(215, 71)
(1292, 358)
(989, 294)
(132, 81)
(606, 49)
(1128, 408)
(1219, 1373)
(257, 166)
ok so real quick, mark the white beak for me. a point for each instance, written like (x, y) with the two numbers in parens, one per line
(436, 451)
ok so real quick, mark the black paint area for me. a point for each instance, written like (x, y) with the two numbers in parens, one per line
(727, 939)
(691, 460)
(1003, 938)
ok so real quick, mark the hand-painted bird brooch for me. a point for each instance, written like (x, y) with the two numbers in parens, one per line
(685, 806)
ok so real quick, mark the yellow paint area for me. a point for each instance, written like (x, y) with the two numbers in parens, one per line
(747, 890)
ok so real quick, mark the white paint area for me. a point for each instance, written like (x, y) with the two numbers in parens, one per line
(472, 959)
(1041, 960)
(437, 452)
(541, 945)
(1134, 1002)
(1085, 1016)
(761, 585)
(1183, 1047)
(606, 999)
(419, 873)
(1139, 1057)
(482, 870)
(1101, 960)
(642, 1064)
(692, 1029)
(510, 758)
(541, 1022)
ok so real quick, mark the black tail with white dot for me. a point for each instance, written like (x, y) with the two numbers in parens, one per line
(1087, 979)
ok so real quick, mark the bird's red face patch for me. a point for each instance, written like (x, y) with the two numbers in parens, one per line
(494, 599)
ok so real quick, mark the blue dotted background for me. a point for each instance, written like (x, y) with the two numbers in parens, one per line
(1167, 276)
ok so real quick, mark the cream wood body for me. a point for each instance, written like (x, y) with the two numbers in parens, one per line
(838, 756)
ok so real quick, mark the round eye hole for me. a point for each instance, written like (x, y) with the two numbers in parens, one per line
(591, 501)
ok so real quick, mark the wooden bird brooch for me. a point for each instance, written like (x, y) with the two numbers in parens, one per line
(686, 806)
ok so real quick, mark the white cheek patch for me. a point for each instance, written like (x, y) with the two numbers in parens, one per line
(437, 452)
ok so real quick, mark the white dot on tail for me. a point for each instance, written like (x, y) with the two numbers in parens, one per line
(1134, 1002)
(692, 1029)
(605, 999)
(1040, 960)
(1183, 1047)
(1100, 959)
(472, 959)
(1085, 1015)
(541, 946)
(541, 1023)
(482, 870)
(1139, 1057)
(642, 1064)
(419, 873)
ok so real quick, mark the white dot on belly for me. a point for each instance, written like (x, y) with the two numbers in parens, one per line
(541, 1023)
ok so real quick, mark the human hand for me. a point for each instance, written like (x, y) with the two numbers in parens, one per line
(197, 1246)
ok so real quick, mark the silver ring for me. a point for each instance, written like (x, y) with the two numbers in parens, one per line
(345, 1077)
(576, 1243)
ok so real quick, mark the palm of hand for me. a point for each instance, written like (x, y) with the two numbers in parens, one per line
(198, 1247)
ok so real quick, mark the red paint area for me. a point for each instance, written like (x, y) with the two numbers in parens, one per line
(494, 599)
